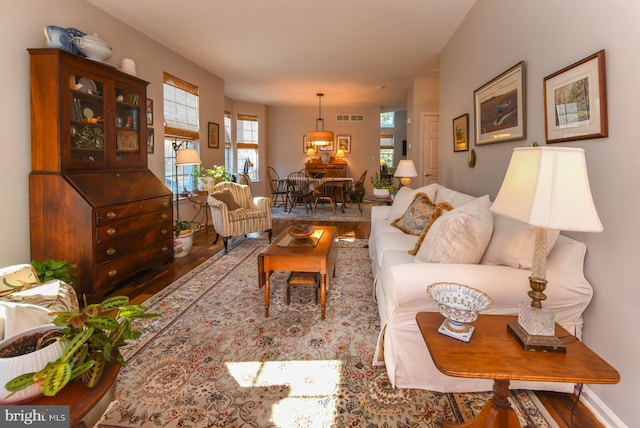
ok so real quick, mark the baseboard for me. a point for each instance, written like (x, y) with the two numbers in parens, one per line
(600, 410)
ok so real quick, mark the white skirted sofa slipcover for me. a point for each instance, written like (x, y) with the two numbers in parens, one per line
(466, 244)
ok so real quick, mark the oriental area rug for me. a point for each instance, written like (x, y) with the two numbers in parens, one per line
(212, 359)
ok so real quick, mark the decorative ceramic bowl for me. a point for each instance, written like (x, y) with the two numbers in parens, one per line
(300, 231)
(93, 47)
(459, 304)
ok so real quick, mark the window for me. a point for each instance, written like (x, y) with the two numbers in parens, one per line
(387, 119)
(247, 129)
(228, 150)
(181, 127)
(386, 149)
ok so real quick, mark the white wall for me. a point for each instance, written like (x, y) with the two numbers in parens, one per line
(21, 27)
(549, 35)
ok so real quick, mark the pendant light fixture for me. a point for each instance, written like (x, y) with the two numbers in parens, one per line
(320, 137)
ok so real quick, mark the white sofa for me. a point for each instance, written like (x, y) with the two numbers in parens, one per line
(502, 272)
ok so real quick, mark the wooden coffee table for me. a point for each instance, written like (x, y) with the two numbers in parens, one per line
(493, 354)
(320, 259)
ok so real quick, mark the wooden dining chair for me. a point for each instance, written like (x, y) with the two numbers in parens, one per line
(326, 191)
(355, 192)
(278, 188)
(300, 190)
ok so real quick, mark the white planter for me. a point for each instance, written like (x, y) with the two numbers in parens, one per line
(381, 193)
(182, 245)
(32, 362)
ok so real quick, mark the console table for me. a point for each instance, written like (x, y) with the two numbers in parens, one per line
(493, 354)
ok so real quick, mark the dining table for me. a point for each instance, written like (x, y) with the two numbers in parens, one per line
(314, 183)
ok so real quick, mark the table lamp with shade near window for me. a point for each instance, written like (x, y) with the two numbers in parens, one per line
(406, 169)
(183, 157)
(546, 187)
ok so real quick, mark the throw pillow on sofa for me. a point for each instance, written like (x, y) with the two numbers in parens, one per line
(513, 242)
(460, 235)
(404, 197)
(439, 209)
(416, 216)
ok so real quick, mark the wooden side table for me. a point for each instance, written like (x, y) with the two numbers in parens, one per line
(493, 354)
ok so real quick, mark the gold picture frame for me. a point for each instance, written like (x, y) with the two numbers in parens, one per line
(127, 141)
(214, 135)
(461, 133)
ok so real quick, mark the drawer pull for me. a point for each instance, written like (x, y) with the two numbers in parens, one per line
(165, 248)
(140, 206)
(164, 231)
(112, 273)
(111, 251)
(165, 216)
(111, 215)
(111, 231)
(165, 204)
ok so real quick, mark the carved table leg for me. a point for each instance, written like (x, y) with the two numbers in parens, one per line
(497, 412)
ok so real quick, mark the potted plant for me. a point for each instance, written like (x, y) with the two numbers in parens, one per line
(382, 187)
(48, 270)
(205, 177)
(183, 238)
(92, 338)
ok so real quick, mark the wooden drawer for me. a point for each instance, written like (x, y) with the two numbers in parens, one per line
(116, 230)
(105, 215)
(108, 275)
(115, 248)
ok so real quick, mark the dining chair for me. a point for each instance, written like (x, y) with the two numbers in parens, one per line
(278, 187)
(355, 192)
(326, 191)
(300, 190)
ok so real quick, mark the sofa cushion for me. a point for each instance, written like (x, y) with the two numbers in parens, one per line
(460, 235)
(456, 199)
(226, 196)
(438, 210)
(416, 216)
(513, 242)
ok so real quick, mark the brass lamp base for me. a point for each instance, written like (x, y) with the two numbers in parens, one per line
(532, 342)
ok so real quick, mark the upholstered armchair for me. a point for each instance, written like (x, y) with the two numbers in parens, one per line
(234, 211)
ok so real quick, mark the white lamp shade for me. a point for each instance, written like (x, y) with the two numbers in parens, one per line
(548, 187)
(187, 157)
(405, 168)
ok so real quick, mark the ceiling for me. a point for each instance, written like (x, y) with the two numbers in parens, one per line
(283, 52)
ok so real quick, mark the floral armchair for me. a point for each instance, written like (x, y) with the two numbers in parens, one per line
(234, 211)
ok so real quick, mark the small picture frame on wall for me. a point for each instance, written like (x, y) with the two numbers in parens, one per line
(306, 145)
(461, 133)
(575, 101)
(499, 108)
(214, 130)
(149, 111)
(343, 142)
(150, 143)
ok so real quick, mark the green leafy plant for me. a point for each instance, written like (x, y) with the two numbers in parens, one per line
(93, 337)
(48, 270)
(181, 226)
(218, 172)
(382, 183)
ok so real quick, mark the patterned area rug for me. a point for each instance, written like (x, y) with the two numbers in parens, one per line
(213, 360)
(324, 212)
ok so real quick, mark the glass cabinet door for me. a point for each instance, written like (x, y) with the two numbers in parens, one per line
(87, 123)
(129, 143)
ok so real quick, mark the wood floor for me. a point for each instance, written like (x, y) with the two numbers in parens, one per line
(559, 405)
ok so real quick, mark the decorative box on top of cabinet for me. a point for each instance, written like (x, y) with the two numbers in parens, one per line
(92, 199)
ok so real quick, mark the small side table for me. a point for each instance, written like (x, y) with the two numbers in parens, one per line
(387, 200)
(493, 354)
(200, 206)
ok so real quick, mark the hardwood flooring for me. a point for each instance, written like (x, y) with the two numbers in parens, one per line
(145, 285)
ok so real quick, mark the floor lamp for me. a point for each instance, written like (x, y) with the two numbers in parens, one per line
(183, 157)
(546, 187)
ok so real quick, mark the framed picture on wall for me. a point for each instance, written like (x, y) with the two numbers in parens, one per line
(306, 145)
(149, 111)
(343, 142)
(150, 143)
(214, 131)
(575, 101)
(461, 133)
(499, 108)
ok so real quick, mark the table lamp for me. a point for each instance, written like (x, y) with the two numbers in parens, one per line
(183, 157)
(406, 169)
(340, 155)
(546, 187)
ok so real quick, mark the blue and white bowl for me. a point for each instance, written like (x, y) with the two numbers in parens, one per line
(458, 303)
